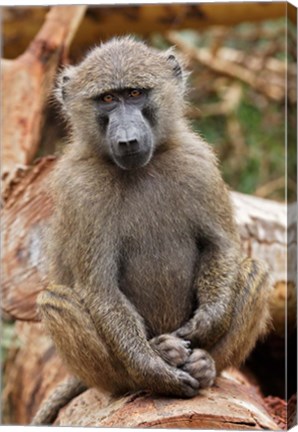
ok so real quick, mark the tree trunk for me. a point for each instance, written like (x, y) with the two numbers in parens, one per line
(231, 404)
(35, 370)
(27, 82)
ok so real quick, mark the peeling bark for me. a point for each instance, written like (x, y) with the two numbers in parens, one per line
(231, 404)
(25, 215)
(27, 82)
(31, 374)
(36, 370)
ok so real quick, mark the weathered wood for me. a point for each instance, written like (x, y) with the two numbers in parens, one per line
(25, 214)
(262, 224)
(31, 374)
(36, 370)
(106, 21)
(268, 231)
(231, 404)
(26, 85)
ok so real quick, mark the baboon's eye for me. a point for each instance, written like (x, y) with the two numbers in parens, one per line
(135, 93)
(108, 98)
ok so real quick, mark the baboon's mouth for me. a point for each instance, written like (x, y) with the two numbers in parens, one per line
(132, 153)
(132, 160)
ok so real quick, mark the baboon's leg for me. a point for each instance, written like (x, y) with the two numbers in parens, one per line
(250, 317)
(96, 360)
(77, 340)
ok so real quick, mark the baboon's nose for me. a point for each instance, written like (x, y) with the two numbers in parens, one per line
(129, 146)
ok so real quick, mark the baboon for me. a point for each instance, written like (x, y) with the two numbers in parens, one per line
(149, 289)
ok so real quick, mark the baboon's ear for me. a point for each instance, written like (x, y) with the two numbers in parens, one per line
(177, 69)
(179, 65)
(62, 83)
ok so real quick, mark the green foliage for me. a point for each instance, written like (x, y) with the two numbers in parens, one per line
(253, 159)
(264, 135)
(8, 339)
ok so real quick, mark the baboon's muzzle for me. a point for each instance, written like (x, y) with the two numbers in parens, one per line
(131, 138)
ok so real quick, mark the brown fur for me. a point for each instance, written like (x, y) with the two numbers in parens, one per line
(142, 261)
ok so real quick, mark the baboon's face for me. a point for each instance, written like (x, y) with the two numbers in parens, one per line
(123, 100)
(124, 117)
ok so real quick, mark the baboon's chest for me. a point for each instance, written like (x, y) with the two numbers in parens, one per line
(158, 262)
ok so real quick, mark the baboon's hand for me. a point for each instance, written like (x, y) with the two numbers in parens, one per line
(198, 364)
(188, 386)
(175, 351)
(197, 328)
(174, 382)
(206, 327)
(201, 366)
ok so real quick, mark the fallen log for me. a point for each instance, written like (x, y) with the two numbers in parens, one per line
(231, 404)
(36, 370)
(26, 212)
(32, 371)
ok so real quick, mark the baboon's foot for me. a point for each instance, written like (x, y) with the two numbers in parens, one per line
(201, 366)
(175, 351)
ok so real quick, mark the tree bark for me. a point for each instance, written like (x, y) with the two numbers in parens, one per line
(25, 214)
(35, 370)
(231, 404)
(27, 82)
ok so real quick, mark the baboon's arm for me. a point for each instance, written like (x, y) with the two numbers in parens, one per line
(107, 308)
(104, 342)
(215, 292)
